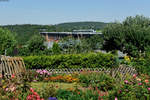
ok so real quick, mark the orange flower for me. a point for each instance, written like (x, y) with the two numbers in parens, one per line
(146, 81)
(46, 79)
(70, 89)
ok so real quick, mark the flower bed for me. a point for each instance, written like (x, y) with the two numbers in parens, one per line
(85, 86)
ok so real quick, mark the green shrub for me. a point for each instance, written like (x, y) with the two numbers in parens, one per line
(142, 65)
(96, 79)
(90, 60)
(77, 95)
(134, 88)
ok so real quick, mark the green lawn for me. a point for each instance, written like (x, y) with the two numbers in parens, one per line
(40, 85)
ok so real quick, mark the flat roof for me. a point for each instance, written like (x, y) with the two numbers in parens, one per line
(70, 32)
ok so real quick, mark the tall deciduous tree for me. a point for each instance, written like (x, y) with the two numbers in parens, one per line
(7, 41)
(36, 45)
(131, 36)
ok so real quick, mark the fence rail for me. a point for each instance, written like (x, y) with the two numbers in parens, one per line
(124, 70)
(11, 65)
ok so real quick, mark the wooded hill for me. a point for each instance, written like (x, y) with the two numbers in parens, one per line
(25, 31)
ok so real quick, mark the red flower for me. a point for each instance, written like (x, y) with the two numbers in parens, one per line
(31, 90)
(146, 81)
(12, 76)
(56, 86)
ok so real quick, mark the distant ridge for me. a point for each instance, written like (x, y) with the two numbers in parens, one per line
(25, 31)
(69, 26)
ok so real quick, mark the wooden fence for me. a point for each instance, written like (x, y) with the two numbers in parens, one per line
(15, 65)
(122, 70)
(11, 66)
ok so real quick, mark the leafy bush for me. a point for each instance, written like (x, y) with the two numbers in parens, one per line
(96, 79)
(91, 60)
(131, 36)
(77, 95)
(47, 90)
(135, 88)
(7, 42)
(142, 65)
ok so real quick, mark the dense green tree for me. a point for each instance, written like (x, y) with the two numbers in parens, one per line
(131, 36)
(36, 45)
(56, 49)
(25, 32)
(95, 42)
(7, 41)
(83, 45)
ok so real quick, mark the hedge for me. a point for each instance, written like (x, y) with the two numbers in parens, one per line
(89, 60)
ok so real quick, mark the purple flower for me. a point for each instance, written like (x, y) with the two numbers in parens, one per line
(52, 98)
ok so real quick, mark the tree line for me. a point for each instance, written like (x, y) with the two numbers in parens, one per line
(132, 36)
(25, 32)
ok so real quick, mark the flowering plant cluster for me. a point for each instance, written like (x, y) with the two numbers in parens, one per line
(13, 88)
(43, 72)
(133, 88)
(62, 78)
(33, 96)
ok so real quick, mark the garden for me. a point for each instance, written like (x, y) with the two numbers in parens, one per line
(75, 71)
(43, 84)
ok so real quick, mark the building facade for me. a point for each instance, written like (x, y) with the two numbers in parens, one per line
(52, 37)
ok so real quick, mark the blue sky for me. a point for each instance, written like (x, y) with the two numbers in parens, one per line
(59, 11)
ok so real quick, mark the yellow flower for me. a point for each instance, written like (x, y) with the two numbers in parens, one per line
(127, 58)
(4, 87)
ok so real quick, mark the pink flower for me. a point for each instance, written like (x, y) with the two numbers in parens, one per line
(38, 97)
(44, 71)
(41, 72)
(34, 80)
(134, 75)
(12, 89)
(1, 76)
(126, 81)
(49, 73)
(138, 79)
(139, 83)
(29, 97)
(6, 89)
(116, 98)
(38, 71)
(148, 89)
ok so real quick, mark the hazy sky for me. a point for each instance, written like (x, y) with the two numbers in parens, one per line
(58, 11)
